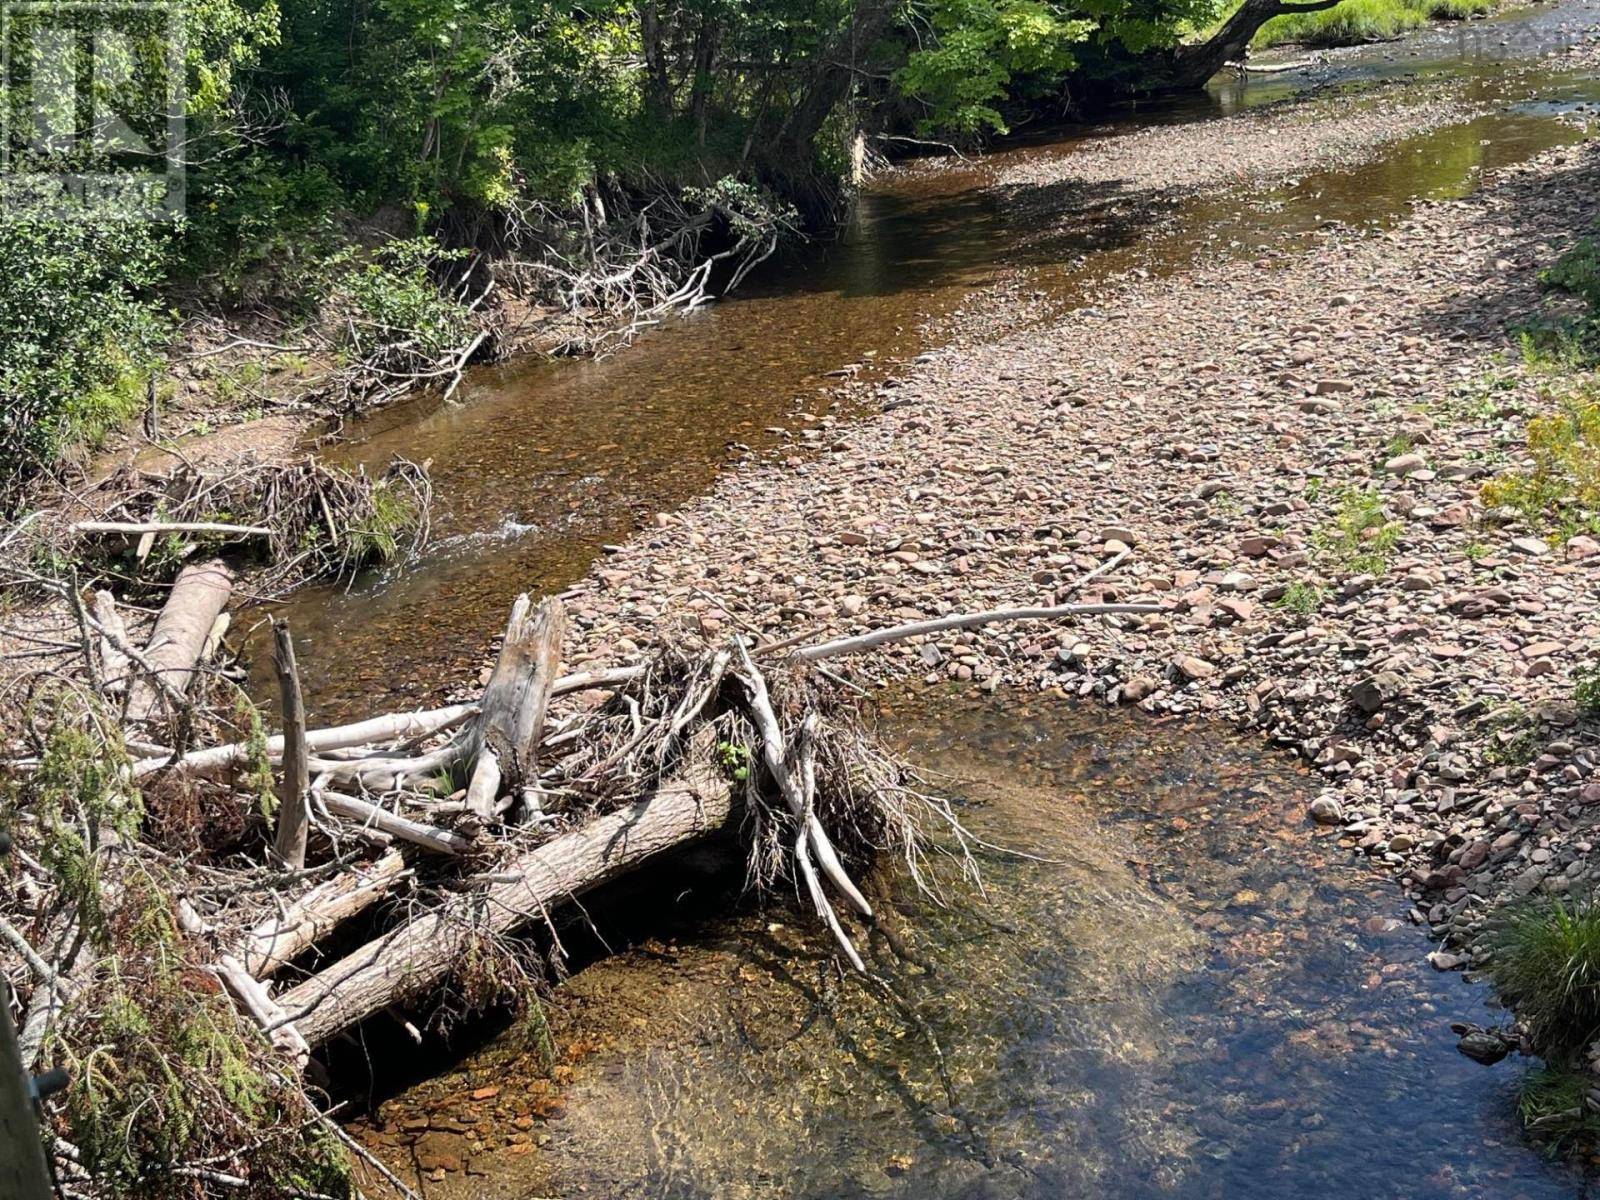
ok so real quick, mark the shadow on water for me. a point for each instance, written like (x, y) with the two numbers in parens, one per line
(1195, 997)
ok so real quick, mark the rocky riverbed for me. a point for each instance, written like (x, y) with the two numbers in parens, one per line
(1210, 432)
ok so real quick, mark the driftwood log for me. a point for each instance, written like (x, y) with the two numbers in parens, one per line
(279, 939)
(295, 782)
(179, 638)
(506, 736)
(419, 955)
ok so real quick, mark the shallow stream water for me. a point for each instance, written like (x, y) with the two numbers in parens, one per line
(1198, 996)
(541, 464)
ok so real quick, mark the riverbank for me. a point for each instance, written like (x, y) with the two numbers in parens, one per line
(1218, 442)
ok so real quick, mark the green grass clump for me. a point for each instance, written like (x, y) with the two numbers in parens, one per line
(1560, 492)
(1360, 538)
(1302, 598)
(1357, 21)
(1554, 1107)
(390, 522)
(1545, 961)
(1586, 690)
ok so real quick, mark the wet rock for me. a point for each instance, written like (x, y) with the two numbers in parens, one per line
(1326, 810)
(1484, 1046)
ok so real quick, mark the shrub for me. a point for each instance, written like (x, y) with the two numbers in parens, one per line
(1561, 490)
(1302, 598)
(78, 331)
(387, 309)
(1360, 538)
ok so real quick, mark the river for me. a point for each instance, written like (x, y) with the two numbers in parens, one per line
(1185, 992)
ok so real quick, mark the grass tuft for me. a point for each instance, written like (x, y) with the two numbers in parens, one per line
(1545, 960)
(1357, 21)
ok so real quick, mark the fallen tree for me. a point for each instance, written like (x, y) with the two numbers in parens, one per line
(448, 834)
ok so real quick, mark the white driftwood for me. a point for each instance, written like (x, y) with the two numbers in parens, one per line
(372, 731)
(418, 956)
(505, 739)
(254, 999)
(199, 595)
(159, 527)
(294, 819)
(114, 664)
(279, 939)
(429, 837)
(897, 633)
(810, 836)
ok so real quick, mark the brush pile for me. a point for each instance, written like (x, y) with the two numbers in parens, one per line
(168, 946)
(194, 908)
(289, 522)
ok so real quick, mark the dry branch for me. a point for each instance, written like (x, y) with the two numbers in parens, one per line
(142, 528)
(507, 733)
(293, 819)
(898, 633)
(422, 953)
(278, 939)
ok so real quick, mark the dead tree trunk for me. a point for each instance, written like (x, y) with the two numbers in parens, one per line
(514, 703)
(197, 599)
(293, 819)
(416, 957)
(1189, 68)
(279, 939)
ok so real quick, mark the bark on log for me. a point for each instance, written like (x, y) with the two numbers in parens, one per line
(279, 939)
(293, 818)
(418, 956)
(198, 597)
(506, 739)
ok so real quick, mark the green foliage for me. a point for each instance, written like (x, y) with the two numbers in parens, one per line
(78, 331)
(1302, 598)
(389, 523)
(734, 760)
(1586, 689)
(256, 775)
(1360, 538)
(1561, 491)
(162, 1072)
(387, 308)
(1577, 274)
(1356, 21)
(79, 794)
(983, 50)
(1545, 960)
(1553, 1106)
